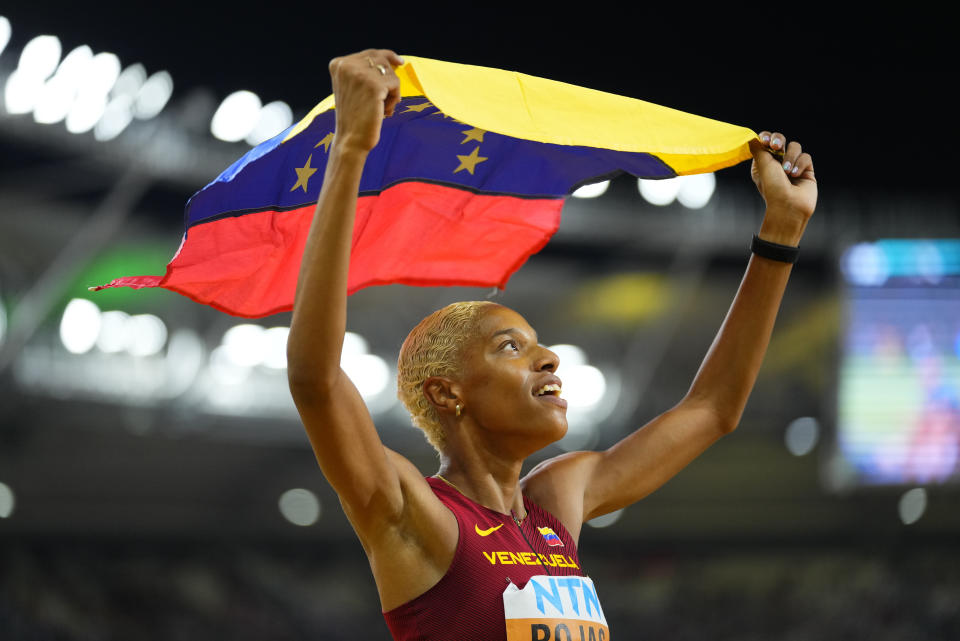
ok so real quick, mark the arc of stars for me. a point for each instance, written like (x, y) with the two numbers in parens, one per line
(304, 173)
(325, 141)
(473, 134)
(418, 107)
(470, 162)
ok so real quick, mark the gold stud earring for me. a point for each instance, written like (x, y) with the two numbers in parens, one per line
(458, 410)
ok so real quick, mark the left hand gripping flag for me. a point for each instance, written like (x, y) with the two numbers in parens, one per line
(466, 183)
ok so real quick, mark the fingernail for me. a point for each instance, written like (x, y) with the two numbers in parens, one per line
(765, 137)
(786, 166)
(777, 142)
(795, 171)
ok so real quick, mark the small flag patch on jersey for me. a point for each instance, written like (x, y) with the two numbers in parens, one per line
(550, 537)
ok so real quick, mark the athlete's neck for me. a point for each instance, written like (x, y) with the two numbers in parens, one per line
(493, 484)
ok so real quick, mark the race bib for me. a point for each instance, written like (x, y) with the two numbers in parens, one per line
(554, 608)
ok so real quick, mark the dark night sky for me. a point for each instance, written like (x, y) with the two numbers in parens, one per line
(868, 97)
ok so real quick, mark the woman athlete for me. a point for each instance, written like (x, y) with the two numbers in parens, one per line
(453, 555)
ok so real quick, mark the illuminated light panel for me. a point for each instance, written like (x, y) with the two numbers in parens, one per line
(85, 112)
(353, 345)
(274, 118)
(21, 92)
(275, 347)
(130, 81)
(40, 57)
(865, 264)
(5, 32)
(659, 192)
(606, 520)
(569, 355)
(74, 66)
(583, 386)
(185, 358)
(802, 435)
(114, 334)
(930, 261)
(223, 369)
(696, 190)
(593, 190)
(80, 326)
(7, 501)
(147, 335)
(57, 95)
(912, 505)
(102, 73)
(898, 400)
(236, 116)
(244, 345)
(53, 101)
(115, 116)
(153, 95)
(300, 506)
(368, 372)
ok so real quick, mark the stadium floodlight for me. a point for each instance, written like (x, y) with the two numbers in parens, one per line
(4, 33)
(7, 501)
(802, 435)
(86, 111)
(696, 190)
(300, 506)
(153, 95)
(592, 190)
(80, 325)
(659, 192)
(148, 335)
(275, 117)
(275, 342)
(55, 99)
(130, 81)
(236, 116)
(912, 505)
(115, 117)
(40, 57)
(21, 92)
(102, 73)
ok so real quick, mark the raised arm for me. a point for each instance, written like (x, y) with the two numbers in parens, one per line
(645, 460)
(341, 431)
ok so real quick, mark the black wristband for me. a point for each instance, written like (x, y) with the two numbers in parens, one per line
(774, 251)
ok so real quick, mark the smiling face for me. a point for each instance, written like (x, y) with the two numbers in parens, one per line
(508, 383)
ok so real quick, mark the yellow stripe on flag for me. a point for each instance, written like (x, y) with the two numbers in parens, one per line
(542, 110)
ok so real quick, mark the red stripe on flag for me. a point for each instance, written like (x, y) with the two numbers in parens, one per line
(412, 233)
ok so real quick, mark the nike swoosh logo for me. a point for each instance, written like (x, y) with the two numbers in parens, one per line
(487, 532)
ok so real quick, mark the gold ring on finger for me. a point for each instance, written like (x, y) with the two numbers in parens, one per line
(373, 65)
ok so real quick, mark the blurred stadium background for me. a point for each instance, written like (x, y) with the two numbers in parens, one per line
(155, 482)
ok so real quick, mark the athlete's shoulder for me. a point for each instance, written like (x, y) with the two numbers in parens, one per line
(564, 473)
(558, 485)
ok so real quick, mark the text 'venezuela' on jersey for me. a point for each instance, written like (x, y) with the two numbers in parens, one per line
(494, 563)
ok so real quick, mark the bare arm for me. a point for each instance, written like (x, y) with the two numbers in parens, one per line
(600, 482)
(340, 428)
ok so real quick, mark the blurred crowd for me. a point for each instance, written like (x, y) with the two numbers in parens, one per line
(173, 592)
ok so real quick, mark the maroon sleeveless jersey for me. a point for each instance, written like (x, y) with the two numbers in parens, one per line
(492, 550)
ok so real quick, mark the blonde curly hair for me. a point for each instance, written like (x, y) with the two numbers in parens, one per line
(434, 348)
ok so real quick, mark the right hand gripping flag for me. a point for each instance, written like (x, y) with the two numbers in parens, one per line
(466, 183)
